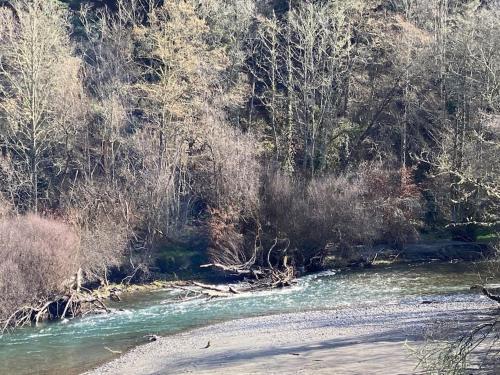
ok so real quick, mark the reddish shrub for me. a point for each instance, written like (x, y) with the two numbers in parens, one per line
(37, 256)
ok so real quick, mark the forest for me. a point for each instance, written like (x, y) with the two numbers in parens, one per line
(140, 139)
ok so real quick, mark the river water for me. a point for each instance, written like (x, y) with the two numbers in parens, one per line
(80, 344)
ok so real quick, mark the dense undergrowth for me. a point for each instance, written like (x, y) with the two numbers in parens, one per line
(142, 139)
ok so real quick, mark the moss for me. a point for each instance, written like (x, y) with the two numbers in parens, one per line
(487, 235)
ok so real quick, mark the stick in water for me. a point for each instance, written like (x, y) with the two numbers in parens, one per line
(113, 351)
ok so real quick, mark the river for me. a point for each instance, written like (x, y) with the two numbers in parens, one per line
(74, 346)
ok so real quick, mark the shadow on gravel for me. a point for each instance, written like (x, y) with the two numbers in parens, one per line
(398, 331)
(215, 360)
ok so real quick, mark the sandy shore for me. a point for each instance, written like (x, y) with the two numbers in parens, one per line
(367, 340)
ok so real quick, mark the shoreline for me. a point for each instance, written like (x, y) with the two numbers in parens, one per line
(368, 340)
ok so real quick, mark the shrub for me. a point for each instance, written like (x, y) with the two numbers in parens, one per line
(226, 174)
(102, 215)
(4, 207)
(226, 178)
(334, 214)
(102, 248)
(37, 257)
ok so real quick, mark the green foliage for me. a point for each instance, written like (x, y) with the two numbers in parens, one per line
(487, 235)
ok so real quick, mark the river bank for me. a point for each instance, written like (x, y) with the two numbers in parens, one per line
(77, 345)
(368, 340)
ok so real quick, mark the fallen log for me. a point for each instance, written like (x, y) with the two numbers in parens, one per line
(234, 291)
(230, 289)
(260, 278)
(486, 292)
(491, 296)
(202, 292)
(234, 269)
(209, 287)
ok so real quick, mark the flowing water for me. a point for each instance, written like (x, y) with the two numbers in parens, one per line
(80, 344)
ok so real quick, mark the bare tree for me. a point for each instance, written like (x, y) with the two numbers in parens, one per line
(39, 91)
(302, 63)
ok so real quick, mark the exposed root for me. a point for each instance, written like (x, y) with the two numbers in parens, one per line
(282, 277)
(57, 308)
(277, 274)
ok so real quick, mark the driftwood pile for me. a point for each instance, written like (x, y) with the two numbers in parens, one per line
(275, 274)
(75, 303)
(197, 290)
(253, 278)
(79, 301)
